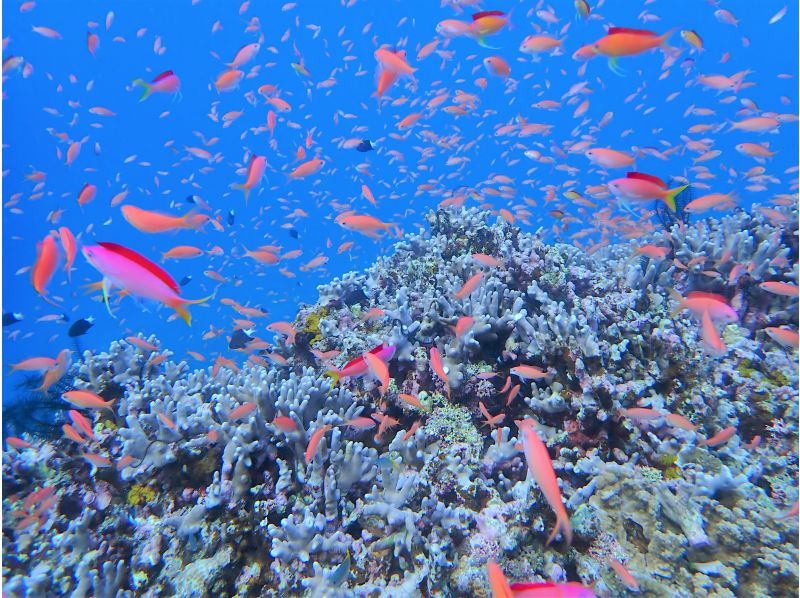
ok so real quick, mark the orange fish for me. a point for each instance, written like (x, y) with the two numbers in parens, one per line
(306, 169)
(45, 266)
(313, 443)
(469, 287)
(541, 468)
(70, 248)
(87, 400)
(622, 41)
(156, 222)
(436, 366)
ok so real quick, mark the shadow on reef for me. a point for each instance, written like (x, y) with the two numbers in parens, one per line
(31, 411)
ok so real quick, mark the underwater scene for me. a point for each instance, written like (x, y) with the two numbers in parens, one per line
(382, 298)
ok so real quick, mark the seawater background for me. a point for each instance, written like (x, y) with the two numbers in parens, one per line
(185, 31)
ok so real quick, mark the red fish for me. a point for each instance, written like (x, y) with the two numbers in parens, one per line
(358, 366)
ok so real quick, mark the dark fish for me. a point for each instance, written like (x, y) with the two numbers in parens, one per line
(231, 217)
(365, 146)
(10, 318)
(185, 280)
(80, 327)
(293, 233)
(190, 199)
(239, 339)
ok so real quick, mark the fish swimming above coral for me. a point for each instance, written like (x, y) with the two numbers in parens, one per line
(487, 299)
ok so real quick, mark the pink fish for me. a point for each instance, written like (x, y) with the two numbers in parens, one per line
(358, 366)
(255, 171)
(284, 423)
(637, 186)
(166, 82)
(500, 588)
(378, 369)
(84, 424)
(783, 336)
(17, 443)
(699, 302)
(124, 268)
(244, 55)
(547, 589)
(541, 468)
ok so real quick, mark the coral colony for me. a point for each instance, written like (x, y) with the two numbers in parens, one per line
(476, 409)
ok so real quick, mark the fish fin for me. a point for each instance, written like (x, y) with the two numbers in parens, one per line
(196, 221)
(181, 306)
(562, 525)
(614, 67)
(106, 286)
(482, 43)
(669, 198)
(148, 89)
(245, 190)
(663, 38)
(334, 375)
(183, 312)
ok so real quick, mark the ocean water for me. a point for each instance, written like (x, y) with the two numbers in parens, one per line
(350, 495)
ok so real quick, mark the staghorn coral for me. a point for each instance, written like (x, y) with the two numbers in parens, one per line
(401, 513)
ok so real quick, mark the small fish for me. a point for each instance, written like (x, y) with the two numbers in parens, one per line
(313, 443)
(239, 339)
(80, 327)
(365, 146)
(10, 318)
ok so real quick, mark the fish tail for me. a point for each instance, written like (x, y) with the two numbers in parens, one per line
(181, 306)
(662, 39)
(148, 89)
(482, 43)
(614, 67)
(562, 525)
(334, 375)
(669, 198)
(106, 286)
(244, 189)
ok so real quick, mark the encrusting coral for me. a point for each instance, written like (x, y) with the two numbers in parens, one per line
(199, 500)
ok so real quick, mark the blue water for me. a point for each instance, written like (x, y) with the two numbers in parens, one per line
(344, 46)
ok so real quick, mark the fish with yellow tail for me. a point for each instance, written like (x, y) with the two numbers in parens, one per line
(125, 269)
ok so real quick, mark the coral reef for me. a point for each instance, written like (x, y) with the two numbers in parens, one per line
(207, 482)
